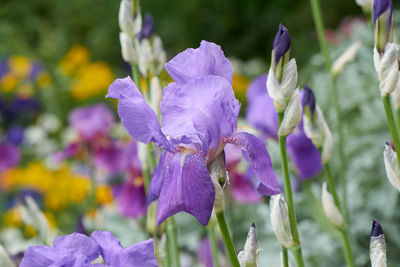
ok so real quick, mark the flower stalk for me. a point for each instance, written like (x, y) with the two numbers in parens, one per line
(392, 126)
(227, 238)
(213, 243)
(285, 258)
(289, 195)
(172, 239)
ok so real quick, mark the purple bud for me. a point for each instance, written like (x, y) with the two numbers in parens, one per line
(383, 23)
(147, 28)
(376, 229)
(380, 7)
(309, 99)
(281, 44)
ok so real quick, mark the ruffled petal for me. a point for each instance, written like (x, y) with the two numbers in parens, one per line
(304, 154)
(257, 155)
(187, 187)
(76, 243)
(159, 176)
(193, 64)
(38, 256)
(139, 255)
(110, 246)
(202, 110)
(136, 115)
(261, 111)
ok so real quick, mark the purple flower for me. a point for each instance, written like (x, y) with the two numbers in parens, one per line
(91, 122)
(261, 114)
(281, 46)
(9, 156)
(69, 250)
(137, 255)
(199, 115)
(109, 157)
(15, 135)
(204, 254)
(147, 28)
(383, 23)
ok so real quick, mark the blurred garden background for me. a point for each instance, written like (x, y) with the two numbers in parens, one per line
(58, 56)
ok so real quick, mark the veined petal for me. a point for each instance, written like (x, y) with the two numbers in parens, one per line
(159, 175)
(203, 111)
(259, 159)
(38, 256)
(136, 115)
(110, 246)
(139, 255)
(187, 187)
(261, 111)
(193, 64)
(77, 244)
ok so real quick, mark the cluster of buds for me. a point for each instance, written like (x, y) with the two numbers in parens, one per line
(377, 246)
(280, 222)
(315, 126)
(249, 256)
(392, 166)
(139, 45)
(282, 81)
(385, 51)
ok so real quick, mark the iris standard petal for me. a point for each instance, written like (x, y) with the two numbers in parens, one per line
(203, 110)
(259, 159)
(75, 244)
(136, 115)
(261, 111)
(187, 187)
(139, 255)
(193, 64)
(38, 256)
(304, 154)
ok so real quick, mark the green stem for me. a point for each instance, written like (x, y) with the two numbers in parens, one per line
(345, 235)
(398, 120)
(136, 77)
(289, 196)
(319, 25)
(214, 245)
(285, 258)
(173, 241)
(227, 238)
(392, 126)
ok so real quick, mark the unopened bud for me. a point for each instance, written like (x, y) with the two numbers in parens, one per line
(327, 146)
(130, 19)
(377, 246)
(331, 211)
(155, 93)
(315, 127)
(292, 116)
(392, 166)
(248, 257)
(128, 51)
(383, 23)
(387, 67)
(218, 177)
(395, 95)
(280, 51)
(348, 55)
(5, 260)
(280, 222)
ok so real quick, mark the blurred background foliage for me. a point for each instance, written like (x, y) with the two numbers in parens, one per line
(46, 29)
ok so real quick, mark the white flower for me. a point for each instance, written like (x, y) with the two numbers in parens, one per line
(348, 55)
(292, 116)
(330, 209)
(387, 67)
(392, 166)
(281, 92)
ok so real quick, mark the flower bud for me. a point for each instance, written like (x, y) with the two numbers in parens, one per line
(280, 51)
(383, 23)
(5, 260)
(130, 19)
(392, 166)
(292, 116)
(387, 67)
(218, 177)
(128, 51)
(147, 29)
(248, 257)
(377, 246)
(280, 222)
(331, 211)
(348, 55)
(327, 146)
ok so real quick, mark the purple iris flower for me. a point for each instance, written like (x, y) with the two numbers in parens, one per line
(147, 28)
(281, 44)
(380, 7)
(199, 116)
(204, 254)
(9, 156)
(261, 114)
(80, 250)
(91, 122)
(130, 194)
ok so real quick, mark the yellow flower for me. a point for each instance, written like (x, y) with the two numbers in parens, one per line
(13, 218)
(8, 82)
(104, 195)
(20, 66)
(92, 80)
(76, 57)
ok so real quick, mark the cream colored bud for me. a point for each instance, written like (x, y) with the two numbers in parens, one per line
(387, 67)
(280, 222)
(348, 55)
(327, 147)
(392, 166)
(129, 22)
(377, 246)
(129, 53)
(248, 257)
(315, 129)
(142, 154)
(156, 93)
(145, 57)
(281, 92)
(331, 211)
(159, 55)
(292, 116)
(395, 95)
